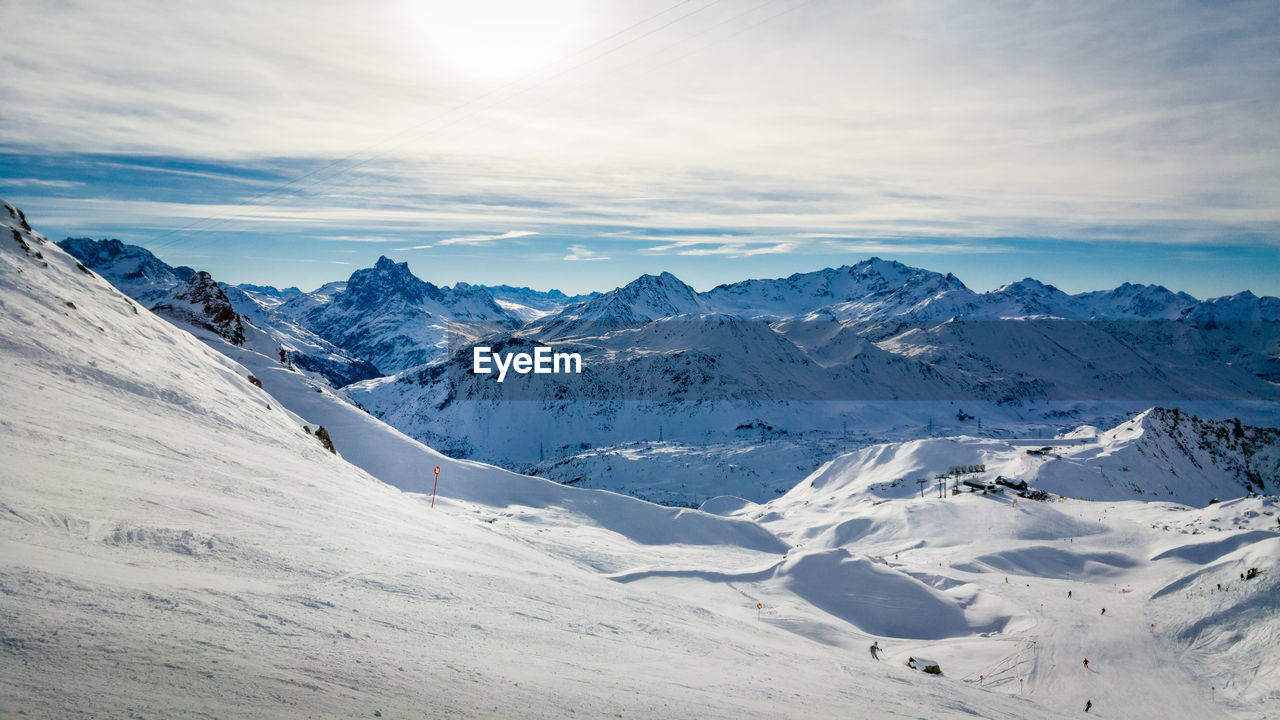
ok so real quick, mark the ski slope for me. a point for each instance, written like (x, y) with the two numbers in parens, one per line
(173, 542)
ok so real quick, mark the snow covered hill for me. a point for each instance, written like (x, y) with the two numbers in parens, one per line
(175, 540)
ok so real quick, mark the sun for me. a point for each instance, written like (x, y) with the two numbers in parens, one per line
(497, 39)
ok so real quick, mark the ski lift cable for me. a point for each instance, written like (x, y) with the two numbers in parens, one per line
(529, 80)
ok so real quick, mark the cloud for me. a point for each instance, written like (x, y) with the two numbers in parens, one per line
(863, 127)
(485, 239)
(414, 247)
(740, 249)
(737, 247)
(38, 183)
(357, 238)
(583, 253)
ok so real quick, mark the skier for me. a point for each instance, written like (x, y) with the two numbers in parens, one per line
(1104, 611)
(1068, 594)
(875, 648)
(1086, 663)
(1088, 704)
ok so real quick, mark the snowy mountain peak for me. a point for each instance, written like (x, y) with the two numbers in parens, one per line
(1243, 307)
(385, 282)
(1198, 453)
(1135, 302)
(202, 303)
(271, 290)
(132, 268)
(873, 289)
(643, 300)
(1028, 285)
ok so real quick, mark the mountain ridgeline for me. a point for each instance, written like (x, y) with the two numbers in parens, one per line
(800, 356)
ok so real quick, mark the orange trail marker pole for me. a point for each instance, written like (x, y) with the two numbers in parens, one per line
(436, 485)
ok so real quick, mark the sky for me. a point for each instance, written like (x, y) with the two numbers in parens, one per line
(577, 144)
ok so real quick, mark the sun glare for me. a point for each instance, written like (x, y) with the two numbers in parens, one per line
(498, 39)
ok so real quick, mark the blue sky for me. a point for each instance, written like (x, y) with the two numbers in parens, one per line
(576, 145)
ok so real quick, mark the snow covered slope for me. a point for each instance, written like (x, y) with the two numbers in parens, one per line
(133, 269)
(152, 282)
(175, 542)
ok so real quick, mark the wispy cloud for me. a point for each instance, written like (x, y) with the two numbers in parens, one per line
(486, 239)
(413, 247)
(583, 253)
(739, 249)
(38, 183)
(849, 128)
(357, 238)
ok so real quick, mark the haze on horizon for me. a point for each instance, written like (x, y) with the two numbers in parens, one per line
(577, 145)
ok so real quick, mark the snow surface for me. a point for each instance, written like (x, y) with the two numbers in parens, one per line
(174, 541)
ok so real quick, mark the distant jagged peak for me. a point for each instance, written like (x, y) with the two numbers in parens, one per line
(109, 248)
(512, 292)
(868, 289)
(650, 297)
(270, 290)
(1192, 433)
(1128, 289)
(1028, 285)
(387, 281)
(662, 284)
(132, 268)
(1242, 307)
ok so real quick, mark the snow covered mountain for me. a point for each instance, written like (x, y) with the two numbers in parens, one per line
(155, 284)
(643, 300)
(1243, 307)
(529, 304)
(133, 269)
(393, 319)
(872, 290)
(1135, 302)
(1017, 358)
(664, 363)
(174, 539)
(1028, 299)
(201, 302)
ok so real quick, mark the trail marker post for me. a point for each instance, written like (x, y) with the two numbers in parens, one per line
(436, 485)
(759, 608)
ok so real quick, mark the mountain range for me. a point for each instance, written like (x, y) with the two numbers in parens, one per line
(664, 363)
(193, 523)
